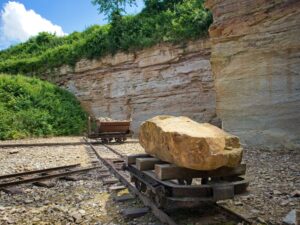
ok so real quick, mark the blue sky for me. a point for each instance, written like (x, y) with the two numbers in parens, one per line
(18, 22)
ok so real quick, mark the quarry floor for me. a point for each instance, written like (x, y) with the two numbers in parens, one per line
(274, 180)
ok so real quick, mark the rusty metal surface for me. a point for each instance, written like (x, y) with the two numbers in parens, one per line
(44, 176)
(115, 126)
(3, 146)
(37, 171)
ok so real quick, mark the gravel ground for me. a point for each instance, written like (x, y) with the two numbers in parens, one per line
(274, 178)
(128, 148)
(86, 201)
(13, 160)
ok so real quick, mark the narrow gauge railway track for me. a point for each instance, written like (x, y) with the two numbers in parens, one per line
(24, 145)
(4, 146)
(40, 175)
(114, 166)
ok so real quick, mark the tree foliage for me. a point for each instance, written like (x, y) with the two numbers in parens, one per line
(174, 21)
(109, 6)
(30, 107)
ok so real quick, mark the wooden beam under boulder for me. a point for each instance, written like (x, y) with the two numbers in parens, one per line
(130, 159)
(143, 164)
(171, 171)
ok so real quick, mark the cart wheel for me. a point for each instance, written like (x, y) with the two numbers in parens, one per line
(140, 186)
(104, 140)
(110, 139)
(160, 196)
(119, 140)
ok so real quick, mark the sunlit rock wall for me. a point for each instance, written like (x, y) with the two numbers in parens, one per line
(164, 79)
(256, 67)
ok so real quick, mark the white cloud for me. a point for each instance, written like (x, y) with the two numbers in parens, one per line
(19, 24)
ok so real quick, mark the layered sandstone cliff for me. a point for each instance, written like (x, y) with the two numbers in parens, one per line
(164, 79)
(256, 67)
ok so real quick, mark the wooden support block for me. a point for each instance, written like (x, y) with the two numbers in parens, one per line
(117, 188)
(46, 184)
(135, 212)
(124, 198)
(143, 164)
(12, 190)
(104, 175)
(110, 181)
(130, 159)
(170, 172)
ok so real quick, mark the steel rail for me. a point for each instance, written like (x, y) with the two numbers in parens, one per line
(114, 151)
(45, 177)
(37, 171)
(161, 215)
(40, 144)
(231, 213)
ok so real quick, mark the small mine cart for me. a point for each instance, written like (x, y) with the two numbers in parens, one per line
(108, 131)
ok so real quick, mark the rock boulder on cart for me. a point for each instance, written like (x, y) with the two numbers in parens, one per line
(186, 143)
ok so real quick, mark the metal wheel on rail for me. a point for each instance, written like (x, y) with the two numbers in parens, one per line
(119, 140)
(104, 140)
(140, 186)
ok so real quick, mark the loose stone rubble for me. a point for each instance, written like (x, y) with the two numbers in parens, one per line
(86, 201)
(189, 144)
(274, 183)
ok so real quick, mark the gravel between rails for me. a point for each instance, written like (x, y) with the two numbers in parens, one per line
(14, 160)
(86, 201)
(274, 176)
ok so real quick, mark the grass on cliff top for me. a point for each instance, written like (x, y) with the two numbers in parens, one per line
(186, 20)
(30, 107)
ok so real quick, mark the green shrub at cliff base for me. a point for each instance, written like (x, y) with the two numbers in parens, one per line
(160, 21)
(30, 107)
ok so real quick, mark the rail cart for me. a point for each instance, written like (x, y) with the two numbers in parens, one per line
(108, 131)
(170, 186)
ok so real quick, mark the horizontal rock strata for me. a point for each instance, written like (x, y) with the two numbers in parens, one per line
(256, 66)
(164, 79)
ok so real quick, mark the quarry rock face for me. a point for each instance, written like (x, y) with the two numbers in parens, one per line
(164, 79)
(256, 66)
(189, 144)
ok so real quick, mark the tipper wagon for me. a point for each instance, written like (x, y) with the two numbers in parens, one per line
(108, 131)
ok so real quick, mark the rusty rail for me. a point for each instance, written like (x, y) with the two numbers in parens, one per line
(37, 171)
(42, 175)
(40, 144)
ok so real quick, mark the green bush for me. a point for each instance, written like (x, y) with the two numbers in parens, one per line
(30, 107)
(173, 21)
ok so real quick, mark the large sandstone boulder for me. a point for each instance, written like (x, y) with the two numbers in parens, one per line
(189, 144)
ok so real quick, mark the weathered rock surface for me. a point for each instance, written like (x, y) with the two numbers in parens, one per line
(189, 144)
(256, 67)
(164, 79)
